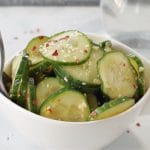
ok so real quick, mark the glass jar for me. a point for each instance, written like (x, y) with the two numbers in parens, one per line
(128, 21)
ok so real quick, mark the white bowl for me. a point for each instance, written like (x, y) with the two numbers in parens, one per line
(53, 134)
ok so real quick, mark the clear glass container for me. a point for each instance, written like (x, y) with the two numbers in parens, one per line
(128, 21)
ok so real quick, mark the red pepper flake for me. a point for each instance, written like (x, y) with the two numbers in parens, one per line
(138, 124)
(34, 102)
(49, 109)
(93, 114)
(55, 53)
(47, 45)
(34, 48)
(77, 60)
(38, 30)
(135, 86)
(16, 38)
(64, 38)
(41, 37)
(85, 50)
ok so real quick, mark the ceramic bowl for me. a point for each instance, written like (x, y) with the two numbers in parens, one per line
(59, 135)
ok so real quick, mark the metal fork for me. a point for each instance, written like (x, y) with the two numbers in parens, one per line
(2, 62)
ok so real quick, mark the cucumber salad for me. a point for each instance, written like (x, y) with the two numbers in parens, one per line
(69, 77)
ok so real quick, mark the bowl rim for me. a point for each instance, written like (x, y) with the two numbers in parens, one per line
(38, 117)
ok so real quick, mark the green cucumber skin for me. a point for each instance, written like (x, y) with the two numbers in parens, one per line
(105, 44)
(39, 68)
(31, 97)
(57, 93)
(102, 84)
(40, 71)
(49, 81)
(50, 97)
(69, 63)
(27, 49)
(109, 105)
(73, 83)
(18, 91)
(140, 80)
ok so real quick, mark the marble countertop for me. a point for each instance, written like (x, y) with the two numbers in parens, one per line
(19, 24)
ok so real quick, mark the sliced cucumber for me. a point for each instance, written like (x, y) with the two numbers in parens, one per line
(92, 101)
(32, 49)
(45, 88)
(66, 105)
(31, 96)
(84, 76)
(70, 47)
(117, 75)
(20, 68)
(112, 108)
(139, 69)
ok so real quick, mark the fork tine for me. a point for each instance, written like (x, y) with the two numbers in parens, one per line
(2, 61)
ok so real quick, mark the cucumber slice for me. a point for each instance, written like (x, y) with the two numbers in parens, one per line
(31, 96)
(45, 88)
(66, 105)
(92, 101)
(139, 69)
(20, 69)
(32, 49)
(70, 47)
(83, 77)
(112, 108)
(117, 75)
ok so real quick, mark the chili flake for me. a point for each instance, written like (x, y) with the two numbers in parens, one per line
(64, 38)
(77, 60)
(124, 65)
(93, 114)
(41, 37)
(49, 109)
(85, 50)
(34, 48)
(47, 45)
(55, 53)
(38, 30)
(34, 102)
(135, 86)
(138, 124)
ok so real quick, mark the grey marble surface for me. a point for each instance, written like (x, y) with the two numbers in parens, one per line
(49, 2)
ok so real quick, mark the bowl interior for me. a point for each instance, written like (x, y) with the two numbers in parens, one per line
(118, 46)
